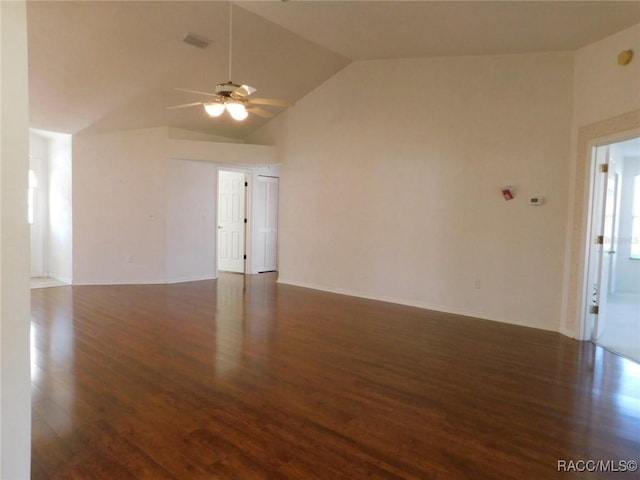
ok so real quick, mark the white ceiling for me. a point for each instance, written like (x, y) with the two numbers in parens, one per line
(362, 30)
(100, 66)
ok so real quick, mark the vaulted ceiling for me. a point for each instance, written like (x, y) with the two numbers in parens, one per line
(112, 65)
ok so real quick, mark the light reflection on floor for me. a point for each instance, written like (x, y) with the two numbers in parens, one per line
(612, 379)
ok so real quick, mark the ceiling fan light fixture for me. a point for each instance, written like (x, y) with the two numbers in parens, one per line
(239, 115)
(214, 109)
(230, 96)
(237, 110)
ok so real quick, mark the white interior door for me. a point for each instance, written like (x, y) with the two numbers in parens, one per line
(266, 223)
(597, 268)
(231, 221)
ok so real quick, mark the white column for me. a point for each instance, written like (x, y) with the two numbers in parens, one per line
(15, 391)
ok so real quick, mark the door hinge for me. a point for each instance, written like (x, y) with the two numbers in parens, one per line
(594, 309)
(245, 220)
(600, 240)
(604, 168)
(244, 257)
(246, 184)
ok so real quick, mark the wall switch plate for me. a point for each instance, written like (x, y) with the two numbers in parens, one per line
(536, 201)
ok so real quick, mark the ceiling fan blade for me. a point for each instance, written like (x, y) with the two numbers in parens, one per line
(244, 90)
(276, 102)
(259, 111)
(196, 91)
(184, 105)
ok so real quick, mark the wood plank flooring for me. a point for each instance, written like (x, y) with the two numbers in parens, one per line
(243, 378)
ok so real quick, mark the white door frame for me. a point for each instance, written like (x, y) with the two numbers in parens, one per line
(594, 206)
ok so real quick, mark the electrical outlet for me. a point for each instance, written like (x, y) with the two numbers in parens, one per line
(476, 284)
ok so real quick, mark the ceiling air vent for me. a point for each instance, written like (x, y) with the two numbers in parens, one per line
(196, 40)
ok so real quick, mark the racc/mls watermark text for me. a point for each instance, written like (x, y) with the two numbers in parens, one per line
(597, 465)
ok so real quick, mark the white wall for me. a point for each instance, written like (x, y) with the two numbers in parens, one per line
(191, 220)
(397, 196)
(38, 145)
(140, 211)
(60, 231)
(227, 153)
(38, 162)
(119, 202)
(182, 134)
(15, 380)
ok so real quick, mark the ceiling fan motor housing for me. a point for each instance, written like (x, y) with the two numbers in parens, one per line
(226, 88)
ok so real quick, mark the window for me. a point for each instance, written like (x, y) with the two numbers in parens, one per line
(33, 184)
(635, 219)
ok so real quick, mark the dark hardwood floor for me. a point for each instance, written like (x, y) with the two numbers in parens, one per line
(242, 378)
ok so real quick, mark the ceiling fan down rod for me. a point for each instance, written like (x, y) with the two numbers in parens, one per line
(230, 36)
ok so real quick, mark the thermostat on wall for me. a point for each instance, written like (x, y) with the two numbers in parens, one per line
(536, 201)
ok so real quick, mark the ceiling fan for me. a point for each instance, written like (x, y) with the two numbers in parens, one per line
(232, 97)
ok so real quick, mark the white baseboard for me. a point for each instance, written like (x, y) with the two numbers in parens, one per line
(153, 281)
(567, 333)
(194, 278)
(61, 278)
(410, 303)
(122, 282)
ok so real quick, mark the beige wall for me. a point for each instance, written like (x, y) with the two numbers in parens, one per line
(15, 380)
(604, 89)
(391, 181)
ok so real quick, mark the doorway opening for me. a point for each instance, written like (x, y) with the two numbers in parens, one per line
(613, 265)
(247, 219)
(50, 208)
